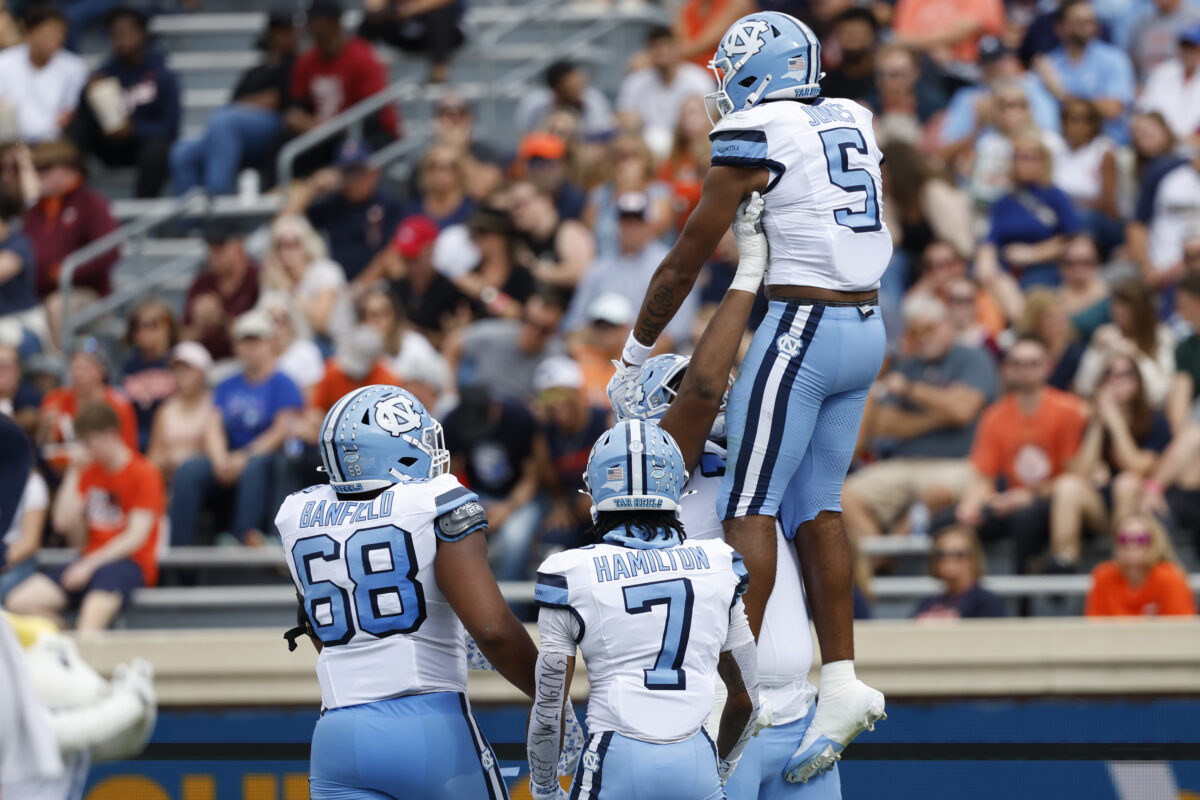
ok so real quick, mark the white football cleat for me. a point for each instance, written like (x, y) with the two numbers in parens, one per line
(840, 717)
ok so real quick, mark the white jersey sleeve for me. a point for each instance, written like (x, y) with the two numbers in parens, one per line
(365, 571)
(824, 201)
(651, 626)
(698, 507)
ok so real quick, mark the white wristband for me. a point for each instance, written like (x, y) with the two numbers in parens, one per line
(746, 283)
(636, 353)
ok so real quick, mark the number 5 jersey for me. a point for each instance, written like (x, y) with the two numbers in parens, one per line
(365, 571)
(651, 622)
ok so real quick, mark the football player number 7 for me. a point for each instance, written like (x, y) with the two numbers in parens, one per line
(387, 598)
(667, 672)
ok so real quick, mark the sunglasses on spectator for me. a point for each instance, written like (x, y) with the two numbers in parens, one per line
(941, 263)
(289, 241)
(453, 112)
(1027, 156)
(961, 298)
(432, 165)
(1025, 362)
(540, 327)
(1141, 539)
(940, 555)
(150, 322)
(1014, 104)
(1079, 262)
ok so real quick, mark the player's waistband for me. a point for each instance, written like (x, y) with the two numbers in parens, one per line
(860, 299)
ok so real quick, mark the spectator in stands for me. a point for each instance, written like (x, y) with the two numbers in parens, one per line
(1160, 34)
(146, 375)
(1084, 294)
(571, 426)
(150, 98)
(245, 132)
(1168, 203)
(595, 346)
(433, 27)
(1084, 66)
(496, 448)
(349, 208)
(632, 172)
(962, 304)
(405, 350)
(562, 248)
(1136, 332)
(359, 361)
(956, 559)
(110, 504)
(566, 87)
(502, 355)
(974, 107)
(926, 414)
(298, 264)
(226, 287)
(296, 355)
(942, 267)
(1173, 88)
(1086, 169)
(856, 32)
(1030, 226)
(18, 398)
(10, 34)
(1121, 447)
(181, 422)
(543, 158)
(1185, 383)
(40, 82)
(1044, 318)
(903, 102)
(338, 72)
(442, 188)
(498, 285)
(20, 543)
(688, 162)
(427, 298)
(18, 297)
(66, 217)
(628, 270)
(87, 384)
(947, 30)
(651, 97)
(18, 176)
(256, 412)
(1143, 579)
(700, 24)
(454, 126)
(1026, 438)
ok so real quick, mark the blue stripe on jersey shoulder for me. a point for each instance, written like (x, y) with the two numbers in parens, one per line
(751, 162)
(743, 575)
(551, 590)
(448, 501)
(743, 135)
(712, 465)
(739, 144)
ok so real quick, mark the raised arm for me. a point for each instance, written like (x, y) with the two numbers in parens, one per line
(691, 415)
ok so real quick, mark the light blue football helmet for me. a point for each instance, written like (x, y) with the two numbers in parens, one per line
(661, 376)
(764, 56)
(378, 436)
(635, 466)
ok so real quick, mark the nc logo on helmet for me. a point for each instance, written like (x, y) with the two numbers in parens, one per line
(396, 415)
(745, 39)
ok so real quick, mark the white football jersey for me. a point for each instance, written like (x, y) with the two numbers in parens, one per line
(824, 203)
(785, 645)
(365, 570)
(651, 624)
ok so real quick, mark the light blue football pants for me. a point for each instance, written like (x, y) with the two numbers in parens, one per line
(615, 767)
(759, 774)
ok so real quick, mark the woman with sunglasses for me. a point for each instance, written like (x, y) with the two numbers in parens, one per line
(1136, 332)
(957, 560)
(1143, 579)
(1121, 446)
(146, 375)
(297, 262)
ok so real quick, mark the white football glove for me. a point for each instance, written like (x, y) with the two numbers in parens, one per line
(751, 244)
(625, 389)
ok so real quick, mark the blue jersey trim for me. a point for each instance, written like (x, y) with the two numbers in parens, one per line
(774, 167)
(448, 501)
(743, 576)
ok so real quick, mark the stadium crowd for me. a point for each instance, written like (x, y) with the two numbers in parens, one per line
(1042, 189)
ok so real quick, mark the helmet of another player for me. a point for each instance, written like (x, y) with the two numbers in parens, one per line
(378, 436)
(635, 466)
(764, 56)
(661, 377)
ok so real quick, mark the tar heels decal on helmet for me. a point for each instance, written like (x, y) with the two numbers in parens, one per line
(396, 415)
(745, 39)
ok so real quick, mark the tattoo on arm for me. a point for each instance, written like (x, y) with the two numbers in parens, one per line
(660, 306)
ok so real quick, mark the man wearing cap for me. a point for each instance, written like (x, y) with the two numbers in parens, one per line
(544, 158)
(39, 79)
(256, 412)
(227, 286)
(426, 295)
(566, 87)
(628, 271)
(87, 383)
(337, 72)
(349, 208)
(597, 344)
(181, 422)
(571, 426)
(1157, 35)
(151, 97)
(244, 132)
(1173, 88)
